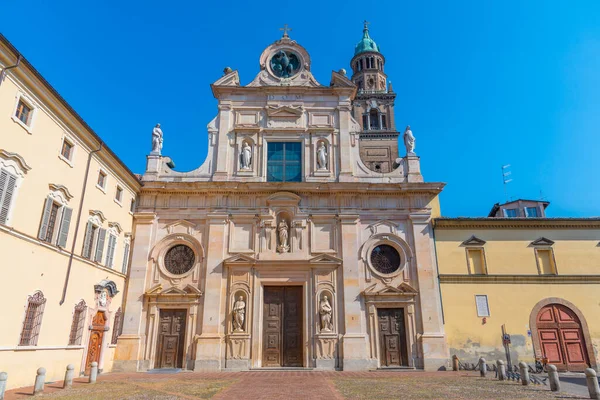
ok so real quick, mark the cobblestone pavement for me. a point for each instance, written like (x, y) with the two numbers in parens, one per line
(305, 385)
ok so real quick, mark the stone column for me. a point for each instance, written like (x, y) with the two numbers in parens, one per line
(355, 349)
(209, 344)
(344, 109)
(129, 354)
(433, 339)
(223, 147)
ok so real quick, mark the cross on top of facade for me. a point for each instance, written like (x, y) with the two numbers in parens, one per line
(366, 24)
(285, 30)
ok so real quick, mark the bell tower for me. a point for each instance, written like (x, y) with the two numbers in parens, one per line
(373, 106)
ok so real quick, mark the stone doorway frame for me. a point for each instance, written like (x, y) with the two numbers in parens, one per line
(584, 327)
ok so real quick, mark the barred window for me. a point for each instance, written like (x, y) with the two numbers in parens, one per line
(117, 326)
(33, 319)
(78, 323)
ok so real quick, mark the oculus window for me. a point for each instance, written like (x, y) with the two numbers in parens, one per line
(284, 162)
(179, 259)
(385, 259)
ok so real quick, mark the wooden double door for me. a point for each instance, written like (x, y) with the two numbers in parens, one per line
(392, 337)
(282, 326)
(561, 338)
(171, 339)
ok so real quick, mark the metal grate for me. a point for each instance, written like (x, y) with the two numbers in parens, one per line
(33, 319)
(78, 322)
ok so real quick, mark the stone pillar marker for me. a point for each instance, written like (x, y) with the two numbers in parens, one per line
(40, 378)
(501, 370)
(94, 372)
(524, 373)
(69, 374)
(455, 363)
(3, 378)
(482, 367)
(592, 383)
(553, 378)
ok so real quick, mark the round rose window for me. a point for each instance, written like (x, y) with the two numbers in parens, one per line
(385, 259)
(285, 64)
(179, 259)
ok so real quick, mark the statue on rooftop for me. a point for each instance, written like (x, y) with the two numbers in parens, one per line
(157, 140)
(409, 141)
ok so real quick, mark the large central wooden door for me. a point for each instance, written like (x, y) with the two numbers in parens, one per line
(561, 338)
(392, 337)
(171, 339)
(282, 326)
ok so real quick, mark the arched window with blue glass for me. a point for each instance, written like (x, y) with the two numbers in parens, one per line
(284, 162)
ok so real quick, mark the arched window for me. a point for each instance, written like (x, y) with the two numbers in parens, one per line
(373, 119)
(117, 326)
(77, 324)
(33, 319)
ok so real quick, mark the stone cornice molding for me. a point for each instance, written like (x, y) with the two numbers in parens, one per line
(519, 279)
(144, 217)
(16, 158)
(516, 223)
(61, 188)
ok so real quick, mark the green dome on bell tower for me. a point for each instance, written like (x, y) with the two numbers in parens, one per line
(366, 43)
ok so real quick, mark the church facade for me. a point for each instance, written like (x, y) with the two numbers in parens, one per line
(304, 239)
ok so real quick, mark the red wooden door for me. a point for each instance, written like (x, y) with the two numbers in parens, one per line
(95, 342)
(561, 338)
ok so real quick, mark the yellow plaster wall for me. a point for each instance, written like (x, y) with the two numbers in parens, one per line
(508, 251)
(510, 304)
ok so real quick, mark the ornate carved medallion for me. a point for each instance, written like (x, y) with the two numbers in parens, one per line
(179, 259)
(285, 64)
(385, 259)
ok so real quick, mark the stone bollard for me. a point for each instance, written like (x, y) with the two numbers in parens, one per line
(553, 378)
(592, 383)
(69, 374)
(94, 372)
(455, 363)
(3, 378)
(524, 373)
(482, 367)
(40, 378)
(501, 370)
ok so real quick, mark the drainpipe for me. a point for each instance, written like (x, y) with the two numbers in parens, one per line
(85, 179)
(3, 72)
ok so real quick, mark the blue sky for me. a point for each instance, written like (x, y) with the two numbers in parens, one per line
(481, 83)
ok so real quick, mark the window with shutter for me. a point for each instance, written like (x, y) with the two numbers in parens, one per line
(100, 245)
(45, 218)
(110, 252)
(33, 319)
(78, 323)
(125, 258)
(64, 226)
(88, 240)
(7, 187)
(54, 210)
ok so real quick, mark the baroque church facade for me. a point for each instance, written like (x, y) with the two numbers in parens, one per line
(303, 240)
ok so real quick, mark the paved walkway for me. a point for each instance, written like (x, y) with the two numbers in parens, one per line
(305, 385)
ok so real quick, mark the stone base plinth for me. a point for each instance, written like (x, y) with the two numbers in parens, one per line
(325, 364)
(237, 365)
(435, 352)
(208, 353)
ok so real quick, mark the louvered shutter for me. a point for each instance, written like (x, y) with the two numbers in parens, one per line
(87, 240)
(7, 187)
(110, 252)
(45, 218)
(125, 258)
(100, 245)
(64, 227)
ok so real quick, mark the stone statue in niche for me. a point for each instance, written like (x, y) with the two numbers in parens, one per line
(322, 156)
(283, 233)
(246, 156)
(325, 310)
(409, 141)
(239, 313)
(157, 140)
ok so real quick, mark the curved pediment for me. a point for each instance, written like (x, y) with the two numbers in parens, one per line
(283, 199)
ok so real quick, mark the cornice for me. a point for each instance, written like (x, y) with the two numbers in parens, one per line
(520, 279)
(516, 223)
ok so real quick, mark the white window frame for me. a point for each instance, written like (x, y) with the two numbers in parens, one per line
(119, 202)
(13, 168)
(96, 222)
(487, 303)
(132, 205)
(34, 109)
(102, 188)
(114, 233)
(537, 211)
(57, 197)
(125, 260)
(69, 161)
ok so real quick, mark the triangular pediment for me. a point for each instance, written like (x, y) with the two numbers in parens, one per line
(285, 111)
(542, 242)
(154, 290)
(183, 225)
(388, 290)
(192, 290)
(340, 80)
(473, 241)
(325, 259)
(383, 226)
(173, 290)
(240, 259)
(229, 79)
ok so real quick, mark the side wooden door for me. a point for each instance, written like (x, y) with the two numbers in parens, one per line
(392, 337)
(95, 342)
(171, 339)
(272, 326)
(292, 327)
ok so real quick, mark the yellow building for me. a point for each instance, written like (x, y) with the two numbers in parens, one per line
(536, 279)
(65, 223)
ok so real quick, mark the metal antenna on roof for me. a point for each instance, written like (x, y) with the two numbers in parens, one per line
(505, 180)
